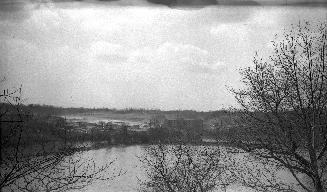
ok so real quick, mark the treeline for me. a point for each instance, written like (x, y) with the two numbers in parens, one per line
(123, 135)
(34, 126)
(42, 124)
(54, 110)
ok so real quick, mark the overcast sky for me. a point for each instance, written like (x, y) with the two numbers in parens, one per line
(128, 53)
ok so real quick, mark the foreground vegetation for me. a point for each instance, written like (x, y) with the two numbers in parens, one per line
(282, 125)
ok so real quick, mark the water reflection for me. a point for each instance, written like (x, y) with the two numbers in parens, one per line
(126, 158)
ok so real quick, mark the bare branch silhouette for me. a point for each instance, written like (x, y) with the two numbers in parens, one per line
(42, 165)
(182, 167)
(285, 106)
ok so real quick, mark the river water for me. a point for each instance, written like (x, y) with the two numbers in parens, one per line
(126, 158)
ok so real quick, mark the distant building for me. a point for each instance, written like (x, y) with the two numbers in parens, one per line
(181, 123)
(187, 130)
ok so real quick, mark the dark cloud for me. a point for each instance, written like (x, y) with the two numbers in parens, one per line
(19, 10)
(172, 3)
(14, 10)
(238, 2)
(23, 5)
(309, 3)
(201, 3)
(163, 2)
(9, 6)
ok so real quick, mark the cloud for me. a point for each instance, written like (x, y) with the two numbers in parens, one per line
(229, 30)
(24, 10)
(15, 10)
(136, 56)
(169, 75)
(108, 52)
(173, 3)
(171, 58)
(206, 68)
(47, 28)
(238, 2)
(190, 58)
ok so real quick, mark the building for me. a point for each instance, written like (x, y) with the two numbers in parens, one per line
(181, 123)
(187, 130)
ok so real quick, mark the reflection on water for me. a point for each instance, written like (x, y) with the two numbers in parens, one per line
(126, 158)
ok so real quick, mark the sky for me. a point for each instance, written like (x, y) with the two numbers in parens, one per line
(168, 55)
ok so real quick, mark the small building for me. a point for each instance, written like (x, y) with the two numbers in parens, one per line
(181, 123)
(188, 130)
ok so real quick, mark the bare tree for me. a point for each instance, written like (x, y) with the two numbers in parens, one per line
(259, 175)
(284, 104)
(39, 167)
(178, 168)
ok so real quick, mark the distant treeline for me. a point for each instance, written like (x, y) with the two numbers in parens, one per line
(54, 110)
(42, 123)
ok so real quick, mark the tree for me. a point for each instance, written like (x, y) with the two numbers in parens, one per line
(182, 168)
(284, 103)
(42, 166)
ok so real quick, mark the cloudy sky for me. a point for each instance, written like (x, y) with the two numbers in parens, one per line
(134, 53)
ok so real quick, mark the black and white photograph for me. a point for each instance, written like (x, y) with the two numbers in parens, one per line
(163, 95)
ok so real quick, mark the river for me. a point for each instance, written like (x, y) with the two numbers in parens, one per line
(126, 158)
